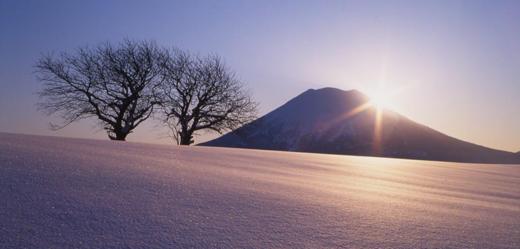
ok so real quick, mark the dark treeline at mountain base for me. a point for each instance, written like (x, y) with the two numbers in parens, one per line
(125, 84)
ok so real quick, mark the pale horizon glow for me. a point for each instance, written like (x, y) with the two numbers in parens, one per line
(450, 65)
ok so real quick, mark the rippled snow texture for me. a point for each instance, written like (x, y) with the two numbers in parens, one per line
(74, 193)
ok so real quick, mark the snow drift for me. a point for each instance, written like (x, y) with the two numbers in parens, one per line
(74, 193)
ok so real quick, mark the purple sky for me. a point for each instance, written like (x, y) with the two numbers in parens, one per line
(458, 61)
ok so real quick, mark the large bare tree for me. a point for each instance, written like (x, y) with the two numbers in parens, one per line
(114, 83)
(201, 93)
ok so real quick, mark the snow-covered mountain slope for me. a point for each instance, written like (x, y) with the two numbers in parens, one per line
(74, 193)
(326, 121)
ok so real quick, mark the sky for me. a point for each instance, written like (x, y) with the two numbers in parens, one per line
(456, 63)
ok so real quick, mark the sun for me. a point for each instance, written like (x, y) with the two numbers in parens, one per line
(380, 100)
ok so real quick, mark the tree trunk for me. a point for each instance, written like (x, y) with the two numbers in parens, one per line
(186, 137)
(119, 136)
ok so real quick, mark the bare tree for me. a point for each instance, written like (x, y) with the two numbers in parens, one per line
(200, 93)
(115, 84)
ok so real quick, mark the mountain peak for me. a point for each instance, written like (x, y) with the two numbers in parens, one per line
(329, 98)
(335, 91)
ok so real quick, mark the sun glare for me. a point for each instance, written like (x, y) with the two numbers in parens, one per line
(383, 98)
(379, 100)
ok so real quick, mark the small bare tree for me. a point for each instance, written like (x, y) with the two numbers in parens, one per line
(115, 84)
(200, 93)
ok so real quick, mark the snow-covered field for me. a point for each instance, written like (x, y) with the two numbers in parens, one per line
(73, 193)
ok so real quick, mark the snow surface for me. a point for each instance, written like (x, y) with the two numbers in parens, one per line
(74, 193)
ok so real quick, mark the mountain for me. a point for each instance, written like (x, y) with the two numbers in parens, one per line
(331, 120)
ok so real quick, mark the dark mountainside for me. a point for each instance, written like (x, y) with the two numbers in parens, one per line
(320, 121)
